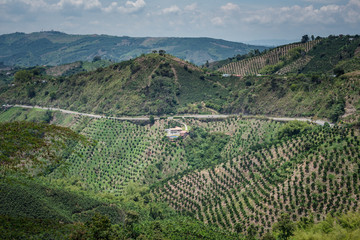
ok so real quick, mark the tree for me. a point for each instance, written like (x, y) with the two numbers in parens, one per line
(31, 148)
(268, 236)
(305, 38)
(162, 52)
(96, 58)
(338, 71)
(238, 228)
(52, 96)
(31, 92)
(293, 128)
(23, 76)
(99, 226)
(284, 226)
(251, 232)
(152, 119)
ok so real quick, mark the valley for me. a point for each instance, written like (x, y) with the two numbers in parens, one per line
(273, 146)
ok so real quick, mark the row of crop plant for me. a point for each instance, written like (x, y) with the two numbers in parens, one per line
(316, 174)
(252, 66)
(115, 159)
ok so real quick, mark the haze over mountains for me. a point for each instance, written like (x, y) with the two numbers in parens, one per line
(55, 48)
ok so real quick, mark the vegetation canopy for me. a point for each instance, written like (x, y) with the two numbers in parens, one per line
(28, 147)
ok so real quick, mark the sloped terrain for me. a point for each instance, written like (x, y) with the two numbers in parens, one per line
(161, 84)
(235, 173)
(56, 48)
(252, 66)
(317, 56)
(151, 84)
(241, 173)
(316, 174)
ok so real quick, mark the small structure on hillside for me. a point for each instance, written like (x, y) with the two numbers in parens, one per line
(173, 133)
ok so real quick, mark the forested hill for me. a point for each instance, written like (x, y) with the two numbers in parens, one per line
(161, 84)
(54, 48)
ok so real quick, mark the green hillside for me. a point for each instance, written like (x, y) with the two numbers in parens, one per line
(220, 174)
(66, 208)
(244, 176)
(150, 84)
(274, 57)
(162, 84)
(315, 173)
(317, 56)
(56, 48)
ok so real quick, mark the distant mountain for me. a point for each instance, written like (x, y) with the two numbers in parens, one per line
(55, 48)
(271, 42)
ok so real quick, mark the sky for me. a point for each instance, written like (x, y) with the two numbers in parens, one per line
(234, 20)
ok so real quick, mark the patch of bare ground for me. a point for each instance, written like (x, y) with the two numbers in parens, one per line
(353, 74)
(349, 108)
(183, 63)
(60, 70)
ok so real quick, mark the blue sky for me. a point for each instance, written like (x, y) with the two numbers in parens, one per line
(242, 21)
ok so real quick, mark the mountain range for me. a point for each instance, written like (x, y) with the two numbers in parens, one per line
(55, 48)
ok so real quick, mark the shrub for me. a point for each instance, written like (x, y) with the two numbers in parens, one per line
(293, 128)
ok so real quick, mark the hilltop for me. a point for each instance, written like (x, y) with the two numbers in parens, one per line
(149, 84)
(56, 48)
(321, 55)
(158, 84)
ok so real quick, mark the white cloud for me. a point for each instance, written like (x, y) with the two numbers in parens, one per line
(31, 4)
(137, 4)
(172, 9)
(296, 14)
(95, 22)
(191, 7)
(321, 1)
(354, 2)
(131, 7)
(86, 4)
(352, 15)
(111, 7)
(230, 7)
(218, 21)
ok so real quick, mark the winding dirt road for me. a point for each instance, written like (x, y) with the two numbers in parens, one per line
(198, 116)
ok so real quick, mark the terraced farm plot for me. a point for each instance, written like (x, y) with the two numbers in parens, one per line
(115, 159)
(252, 66)
(126, 152)
(123, 152)
(253, 178)
(317, 174)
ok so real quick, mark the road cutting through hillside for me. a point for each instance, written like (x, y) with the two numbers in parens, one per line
(198, 116)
